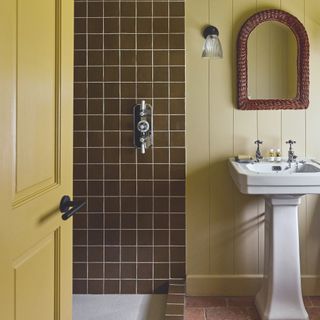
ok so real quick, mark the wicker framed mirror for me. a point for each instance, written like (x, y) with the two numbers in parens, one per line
(297, 82)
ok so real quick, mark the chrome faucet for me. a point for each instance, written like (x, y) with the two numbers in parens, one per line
(291, 156)
(258, 152)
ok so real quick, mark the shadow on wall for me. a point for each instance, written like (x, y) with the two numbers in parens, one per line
(230, 224)
(313, 232)
(225, 218)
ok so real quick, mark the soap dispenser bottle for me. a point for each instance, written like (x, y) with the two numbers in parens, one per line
(278, 155)
(271, 155)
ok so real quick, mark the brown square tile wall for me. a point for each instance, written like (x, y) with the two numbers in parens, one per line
(131, 236)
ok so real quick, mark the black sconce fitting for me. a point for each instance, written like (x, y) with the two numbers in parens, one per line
(210, 30)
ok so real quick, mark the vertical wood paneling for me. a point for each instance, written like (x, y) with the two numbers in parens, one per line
(198, 156)
(294, 127)
(221, 145)
(225, 228)
(269, 131)
(312, 245)
(246, 236)
(293, 121)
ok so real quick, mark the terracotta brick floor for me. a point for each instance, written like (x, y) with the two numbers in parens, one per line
(235, 308)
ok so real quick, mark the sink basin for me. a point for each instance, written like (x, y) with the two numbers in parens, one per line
(276, 177)
(308, 168)
(269, 167)
(280, 296)
(282, 167)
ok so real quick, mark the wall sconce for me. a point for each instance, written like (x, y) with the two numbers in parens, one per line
(212, 46)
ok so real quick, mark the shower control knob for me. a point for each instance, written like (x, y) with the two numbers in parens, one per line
(143, 126)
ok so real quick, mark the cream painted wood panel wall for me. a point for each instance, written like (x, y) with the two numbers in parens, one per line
(225, 229)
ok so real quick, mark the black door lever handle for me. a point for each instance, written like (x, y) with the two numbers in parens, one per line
(69, 208)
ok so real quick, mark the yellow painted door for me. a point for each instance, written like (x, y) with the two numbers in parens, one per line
(36, 89)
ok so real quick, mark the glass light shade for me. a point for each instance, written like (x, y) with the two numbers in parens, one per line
(212, 47)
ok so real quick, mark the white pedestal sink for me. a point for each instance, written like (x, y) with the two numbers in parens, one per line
(280, 297)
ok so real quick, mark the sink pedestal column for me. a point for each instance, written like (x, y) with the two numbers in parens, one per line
(280, 297)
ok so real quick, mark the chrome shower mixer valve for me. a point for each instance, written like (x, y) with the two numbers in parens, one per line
(143, 126)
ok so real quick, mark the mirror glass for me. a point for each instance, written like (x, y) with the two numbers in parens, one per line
(272, 62)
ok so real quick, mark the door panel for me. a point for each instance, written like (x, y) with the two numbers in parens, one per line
(36, 93)
(35, 295)
(37, 103)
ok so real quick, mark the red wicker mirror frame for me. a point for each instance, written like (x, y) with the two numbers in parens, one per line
(301, 101)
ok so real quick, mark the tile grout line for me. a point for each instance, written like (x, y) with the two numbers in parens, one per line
(87, 150)
(136, 151)
(132, 246)
(169, 143)
(120, 151)
(152, 149)
(103, 166)
(131, 180)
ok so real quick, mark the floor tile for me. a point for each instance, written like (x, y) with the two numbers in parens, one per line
(174, 318)
(194, 314)
(307, 302)
(205, 302)
(253, 313)
(235, 308)
(315, 301)
(314, 313)
(227, 313)
(240, 302)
